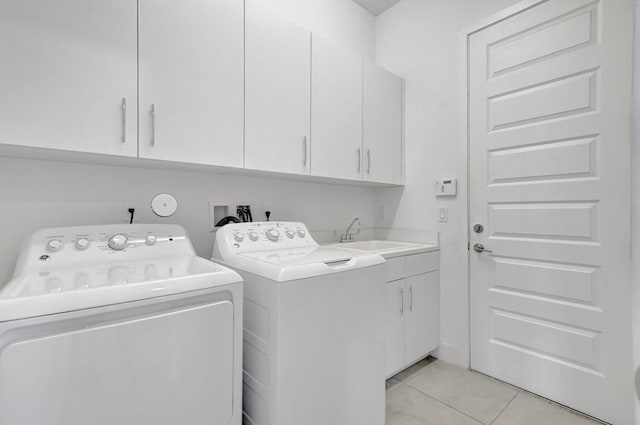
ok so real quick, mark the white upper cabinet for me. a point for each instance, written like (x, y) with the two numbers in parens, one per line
(278, 94)
(336, 111)
(192, 81)
(68, 75)
(382, 149)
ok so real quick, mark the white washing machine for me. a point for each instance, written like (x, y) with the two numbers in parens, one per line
(119, 324)
(313, 327)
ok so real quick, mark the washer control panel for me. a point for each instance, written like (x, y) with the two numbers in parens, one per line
(263, 236)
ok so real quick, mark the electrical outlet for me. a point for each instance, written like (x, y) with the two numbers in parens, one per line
(126, 216)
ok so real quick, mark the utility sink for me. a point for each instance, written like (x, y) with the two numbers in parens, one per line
(387, 249)
(376, 245)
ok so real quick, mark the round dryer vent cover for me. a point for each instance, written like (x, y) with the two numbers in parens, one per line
(164, 205)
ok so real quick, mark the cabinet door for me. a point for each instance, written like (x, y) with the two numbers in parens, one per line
(336, 112)
(422, 315)
(68, 75)
(395, 328)
(278, 93)
(383, 153)
(191, 81)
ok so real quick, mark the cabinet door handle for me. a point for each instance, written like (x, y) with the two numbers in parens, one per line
(304, 151)
(359, 160)
(368, 161)
(410, 298)
(124, 120)
(401, 301)
(153, 124)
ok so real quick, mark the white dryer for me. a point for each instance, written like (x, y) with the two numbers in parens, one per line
(313, 327)
(119, 324)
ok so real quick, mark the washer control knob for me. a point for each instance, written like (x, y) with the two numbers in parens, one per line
(151, 239)
(302, 233)
(55, 245)
(239, 237)
(118, 242)
(82, 244)
(253, 236)
(273, 235)
(290, 234)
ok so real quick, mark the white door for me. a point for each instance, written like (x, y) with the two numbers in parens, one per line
(336, 111)
(549, 181)
(382, 125)
(394, 323)
(191, 81)
(278, 93)
(422, 316)
(68, 75)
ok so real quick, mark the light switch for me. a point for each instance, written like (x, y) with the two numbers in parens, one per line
(443, 214)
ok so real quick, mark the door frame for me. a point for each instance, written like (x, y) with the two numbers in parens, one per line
(464, 354)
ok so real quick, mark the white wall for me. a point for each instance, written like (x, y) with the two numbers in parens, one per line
(339, 20)
(36, 194)
(419, 40)
(635, 207)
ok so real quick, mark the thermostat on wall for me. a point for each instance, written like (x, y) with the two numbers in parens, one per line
(447, 187)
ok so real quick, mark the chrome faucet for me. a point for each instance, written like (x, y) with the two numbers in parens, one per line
(349, 237)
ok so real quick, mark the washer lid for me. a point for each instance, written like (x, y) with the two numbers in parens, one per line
(284, 265)
(301, 256)
(58, 290)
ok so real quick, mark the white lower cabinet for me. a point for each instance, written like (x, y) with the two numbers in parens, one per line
(412, 310)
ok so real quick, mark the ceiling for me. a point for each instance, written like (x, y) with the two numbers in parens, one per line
(376, 7)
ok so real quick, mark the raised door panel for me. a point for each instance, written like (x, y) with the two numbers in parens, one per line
(278, 93)
(68, 75)
(394, 320)
(422, 329)
(191, 81)
(382, 126)
(336, 112)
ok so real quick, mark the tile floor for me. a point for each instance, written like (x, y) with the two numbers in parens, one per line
(435, 393)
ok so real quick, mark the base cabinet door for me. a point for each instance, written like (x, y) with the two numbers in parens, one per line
(422, 316)
(278, 93)
(191, 81)
(68, 75)
(395, 328)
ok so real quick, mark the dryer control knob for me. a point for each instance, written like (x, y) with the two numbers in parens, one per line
(273, 235)
(55, 245)
(290, 234)
(239, 237)
(82, 244)
(118, 242)
(302, 233)
(151, 240)
(253, 236)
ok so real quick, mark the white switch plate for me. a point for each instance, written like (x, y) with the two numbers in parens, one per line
(443, 214)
